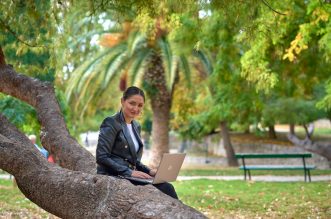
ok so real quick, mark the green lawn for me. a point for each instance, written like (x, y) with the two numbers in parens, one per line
(239, 199)
(216, 171)
(13, 203)
(216, 199)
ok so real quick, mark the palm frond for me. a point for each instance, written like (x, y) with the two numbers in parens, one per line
(117, 65)
(202, 56)
(166, 53)
(81, 77)
(170, 62)
(137, 68)
(86, 69)
(186, 69)
(136, 42)
(84, 95)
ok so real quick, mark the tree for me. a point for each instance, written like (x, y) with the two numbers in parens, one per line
(134, 55)
(291, 62)
(76, 191)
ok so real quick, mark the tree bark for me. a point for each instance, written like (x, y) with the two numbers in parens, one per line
(74, 191)
(2, 57)
(230, 154)
(292, 129)
(41, 96)
(321, 148)
(309, 130)
(272, 132)
(161, 103)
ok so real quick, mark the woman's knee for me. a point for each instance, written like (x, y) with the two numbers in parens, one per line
(168, 189)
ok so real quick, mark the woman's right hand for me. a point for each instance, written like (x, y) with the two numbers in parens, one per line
(140, 174)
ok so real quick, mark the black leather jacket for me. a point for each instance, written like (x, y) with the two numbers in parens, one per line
(116, 154)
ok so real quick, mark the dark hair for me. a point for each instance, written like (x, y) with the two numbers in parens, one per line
(130, 91)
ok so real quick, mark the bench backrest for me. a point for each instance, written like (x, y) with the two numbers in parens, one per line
(248, 155)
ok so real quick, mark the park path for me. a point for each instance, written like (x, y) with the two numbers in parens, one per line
(265, 178)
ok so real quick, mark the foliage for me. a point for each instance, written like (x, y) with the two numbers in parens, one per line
(184, 107)
(325, 103)
(125, 56)
(291, 111)
(22, 115)
(286, 56)
(26, 40)
(229, 96)
(25, 37)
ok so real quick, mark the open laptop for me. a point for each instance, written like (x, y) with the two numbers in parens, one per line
(167, 171)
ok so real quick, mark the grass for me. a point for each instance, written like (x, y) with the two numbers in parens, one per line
(217, 171)
(13, 203)
(216, 199)
(239, 199)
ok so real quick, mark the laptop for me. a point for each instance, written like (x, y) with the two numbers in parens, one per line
(166, 172)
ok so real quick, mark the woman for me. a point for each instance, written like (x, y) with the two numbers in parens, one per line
(120, 148)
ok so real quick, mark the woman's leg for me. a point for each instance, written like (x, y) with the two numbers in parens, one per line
(167, 188)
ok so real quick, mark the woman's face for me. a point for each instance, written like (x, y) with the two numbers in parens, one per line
(132, 106)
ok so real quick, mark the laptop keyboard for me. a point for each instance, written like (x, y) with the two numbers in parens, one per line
(140, 179)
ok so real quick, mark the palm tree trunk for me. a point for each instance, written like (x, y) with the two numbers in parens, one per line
(232, 161)
(160, 134)
(156, 88)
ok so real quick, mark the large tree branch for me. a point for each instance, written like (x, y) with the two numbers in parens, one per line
(321, 148)
(54, 136)
(75, 194)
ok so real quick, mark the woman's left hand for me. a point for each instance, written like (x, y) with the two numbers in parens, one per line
(152, 172)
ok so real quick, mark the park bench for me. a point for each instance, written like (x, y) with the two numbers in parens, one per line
(247, 168)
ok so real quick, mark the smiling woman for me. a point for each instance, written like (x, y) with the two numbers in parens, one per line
(120, 148)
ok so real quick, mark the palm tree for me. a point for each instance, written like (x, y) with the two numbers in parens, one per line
(138, 60)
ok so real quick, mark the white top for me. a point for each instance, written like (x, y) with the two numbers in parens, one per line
(133, 137)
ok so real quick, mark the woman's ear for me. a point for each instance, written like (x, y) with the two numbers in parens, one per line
(122, 101)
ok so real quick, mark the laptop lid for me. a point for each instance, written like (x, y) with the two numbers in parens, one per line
(169, 168)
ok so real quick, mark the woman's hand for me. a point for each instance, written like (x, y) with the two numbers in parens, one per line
(140, 174)
(152, 172)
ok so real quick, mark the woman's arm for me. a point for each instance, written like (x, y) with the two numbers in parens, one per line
(141, 167)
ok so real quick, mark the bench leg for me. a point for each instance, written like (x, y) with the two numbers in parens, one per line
(249, 175)
(309, 175)
(245, 174)
(305, 175)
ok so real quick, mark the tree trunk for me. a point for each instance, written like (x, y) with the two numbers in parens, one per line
(292, 129)
(61, 191)
(309, 130)
(232, 160)
(321, 148)
(41, 96)
(272, 132)
(2, 58)
(160, 96)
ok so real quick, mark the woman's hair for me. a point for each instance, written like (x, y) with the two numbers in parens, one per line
(130, 91)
